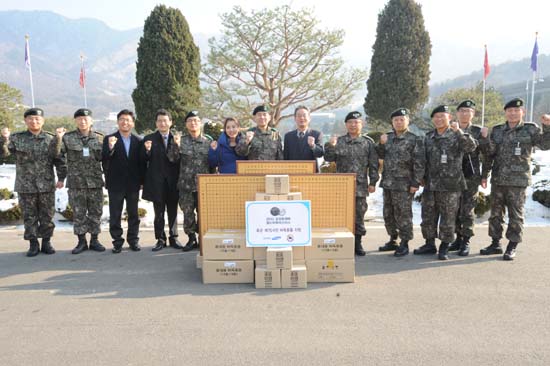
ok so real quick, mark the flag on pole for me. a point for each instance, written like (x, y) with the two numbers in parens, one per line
(486, 66)
(27, 53)
(82, 80)
(534, 56)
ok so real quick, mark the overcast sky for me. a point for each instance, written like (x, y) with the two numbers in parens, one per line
(507, 27)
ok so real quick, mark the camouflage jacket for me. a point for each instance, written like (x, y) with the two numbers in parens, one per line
(471, 162)
(193, 157)
(355, 156)
(404, 161)
(264, 146)
(35, 155)
(444, 154)
(508, 152)
(83, 155)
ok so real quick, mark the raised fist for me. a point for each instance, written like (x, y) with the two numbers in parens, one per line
(333, 140)
(112, 142)
(60, 131)
(383, 138)
(545, 119)
(5, 133)
(214, 145)
(484, 132)
(311, 141)
(249, 136)
(177, 138)
(454, 126)
(147, 145)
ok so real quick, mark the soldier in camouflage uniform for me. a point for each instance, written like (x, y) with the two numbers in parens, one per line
(82, 147)
(262, 142)
(191, 151)
(36, 155)
(404, 160)
(508, 158)
(472, 173)
(444, 181)
(356, 153)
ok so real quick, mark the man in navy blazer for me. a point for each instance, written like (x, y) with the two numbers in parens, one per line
(303, 143)
(123, 180)
(161, 180)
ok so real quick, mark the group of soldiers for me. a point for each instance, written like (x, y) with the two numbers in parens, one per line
(450, 162)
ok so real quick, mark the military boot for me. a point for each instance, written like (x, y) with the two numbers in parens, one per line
(443, 251)
(47, 246)
(82, 245)
(494, 248)
(34, 248)
(358, 247)
(510, 251)
(403, 249)
(192, 243)
(390, 245)
(455, 246)
(95, 245)
(464, 247)
(428, 248)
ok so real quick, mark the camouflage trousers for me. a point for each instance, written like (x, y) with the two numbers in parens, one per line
(467, 204)
(189, 204)
(361, 208)
(439, 210)
(87, 205)
(512, 199)
(398, 214)
(38, 210)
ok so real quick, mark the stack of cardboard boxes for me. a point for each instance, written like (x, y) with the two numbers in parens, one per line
(227, 259)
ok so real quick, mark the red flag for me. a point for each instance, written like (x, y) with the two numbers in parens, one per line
(82, 77)
(486, 67)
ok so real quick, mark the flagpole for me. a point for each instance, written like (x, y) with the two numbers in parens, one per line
(533, 96)
(486, 69)
(534, 62)
(28, 63)
(83, 79)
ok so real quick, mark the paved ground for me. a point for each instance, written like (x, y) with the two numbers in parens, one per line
(148, 309)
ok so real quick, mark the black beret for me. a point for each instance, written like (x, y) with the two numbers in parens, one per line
(468, 103)
(33, 112)
(514, 103)
(399, 112)
(353, 115)
(82, 112)
(260, 108)
(191, 114)
(439, 109)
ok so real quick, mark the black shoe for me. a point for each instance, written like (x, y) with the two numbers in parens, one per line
(464, 247)
(403, 249)
(428, 248)
(455, 246)
(494, 248)
(191, 244)
(116, 248)
(95, 245)
(389, 246)
(359, 251)
(82, 245)
(47, 246)
(135, 247)
(34, 248)
(510, 251)
(159, 245)
(443, 251)
(174, 243)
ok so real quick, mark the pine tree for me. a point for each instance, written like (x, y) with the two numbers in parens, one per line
(400, 62)
(168, 66)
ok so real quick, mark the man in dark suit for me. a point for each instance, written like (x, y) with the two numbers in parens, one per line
(123, 179)
(161, 180)
(303, 143)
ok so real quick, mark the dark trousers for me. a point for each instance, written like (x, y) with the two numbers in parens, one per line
(116, 203)
(169, 204)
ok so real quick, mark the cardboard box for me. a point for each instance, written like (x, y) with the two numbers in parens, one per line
(293, 196)
(330, 270)
(294, 278)
(225, 244)
(227, 271)
(331, 244)
(277, 184)
(199, 261)
(267, 278)
(279, 258)
(298, 253)
(260, 196)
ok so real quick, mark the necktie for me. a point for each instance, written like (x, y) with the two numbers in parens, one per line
(165, 137)
(301, 135)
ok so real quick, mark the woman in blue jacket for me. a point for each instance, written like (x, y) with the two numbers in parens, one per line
(222, 152)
